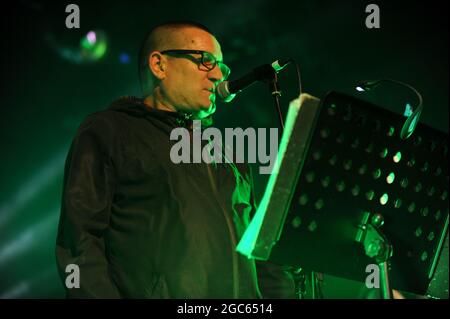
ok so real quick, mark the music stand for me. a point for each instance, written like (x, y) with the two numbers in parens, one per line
(342, 169)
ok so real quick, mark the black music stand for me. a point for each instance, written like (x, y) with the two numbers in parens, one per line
(347, 192)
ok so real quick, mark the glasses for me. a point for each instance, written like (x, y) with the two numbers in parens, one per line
(208, 60)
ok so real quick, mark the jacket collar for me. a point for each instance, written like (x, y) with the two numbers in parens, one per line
(136, 106)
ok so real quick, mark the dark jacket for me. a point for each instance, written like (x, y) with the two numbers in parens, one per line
(140, 226)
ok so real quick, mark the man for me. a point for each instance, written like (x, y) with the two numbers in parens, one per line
(136, 224)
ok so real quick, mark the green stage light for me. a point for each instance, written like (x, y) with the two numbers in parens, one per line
(94, 46)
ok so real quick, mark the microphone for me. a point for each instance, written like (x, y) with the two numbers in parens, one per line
(227, 90)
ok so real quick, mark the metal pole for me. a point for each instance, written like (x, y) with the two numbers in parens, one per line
(313, 285)
(276, 93)
(386, 292)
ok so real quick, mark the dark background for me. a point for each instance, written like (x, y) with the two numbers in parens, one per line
(44, 95)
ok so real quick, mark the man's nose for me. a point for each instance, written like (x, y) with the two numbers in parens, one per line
(215, 75)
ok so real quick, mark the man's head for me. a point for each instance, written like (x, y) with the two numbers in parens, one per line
(182, 80)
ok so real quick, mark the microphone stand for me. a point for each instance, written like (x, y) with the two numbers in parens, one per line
(276, 93)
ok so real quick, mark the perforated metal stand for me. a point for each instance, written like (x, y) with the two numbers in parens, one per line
(340, 158)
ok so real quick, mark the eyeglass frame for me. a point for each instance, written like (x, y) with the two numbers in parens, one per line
(201, 60)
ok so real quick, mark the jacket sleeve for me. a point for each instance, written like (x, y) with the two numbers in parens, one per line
(275, 281)
(85, 210)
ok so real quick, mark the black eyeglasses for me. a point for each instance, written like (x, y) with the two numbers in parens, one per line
(208, 60)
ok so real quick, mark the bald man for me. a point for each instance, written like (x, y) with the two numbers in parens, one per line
(136, 225)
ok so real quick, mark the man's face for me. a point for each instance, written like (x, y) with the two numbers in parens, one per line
(188, 87)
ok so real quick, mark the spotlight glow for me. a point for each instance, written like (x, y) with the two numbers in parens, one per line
(397, 157)
(93, 46)
(384, 199)
(91, 37)
(390, 178)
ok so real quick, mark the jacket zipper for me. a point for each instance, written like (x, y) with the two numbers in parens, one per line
(230, 228)
(232, 235)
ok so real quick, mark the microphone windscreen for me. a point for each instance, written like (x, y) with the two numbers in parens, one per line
(223, 92)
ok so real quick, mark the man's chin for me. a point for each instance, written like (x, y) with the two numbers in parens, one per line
(205, 112)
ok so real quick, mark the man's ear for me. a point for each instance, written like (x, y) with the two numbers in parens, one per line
(157, 65)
